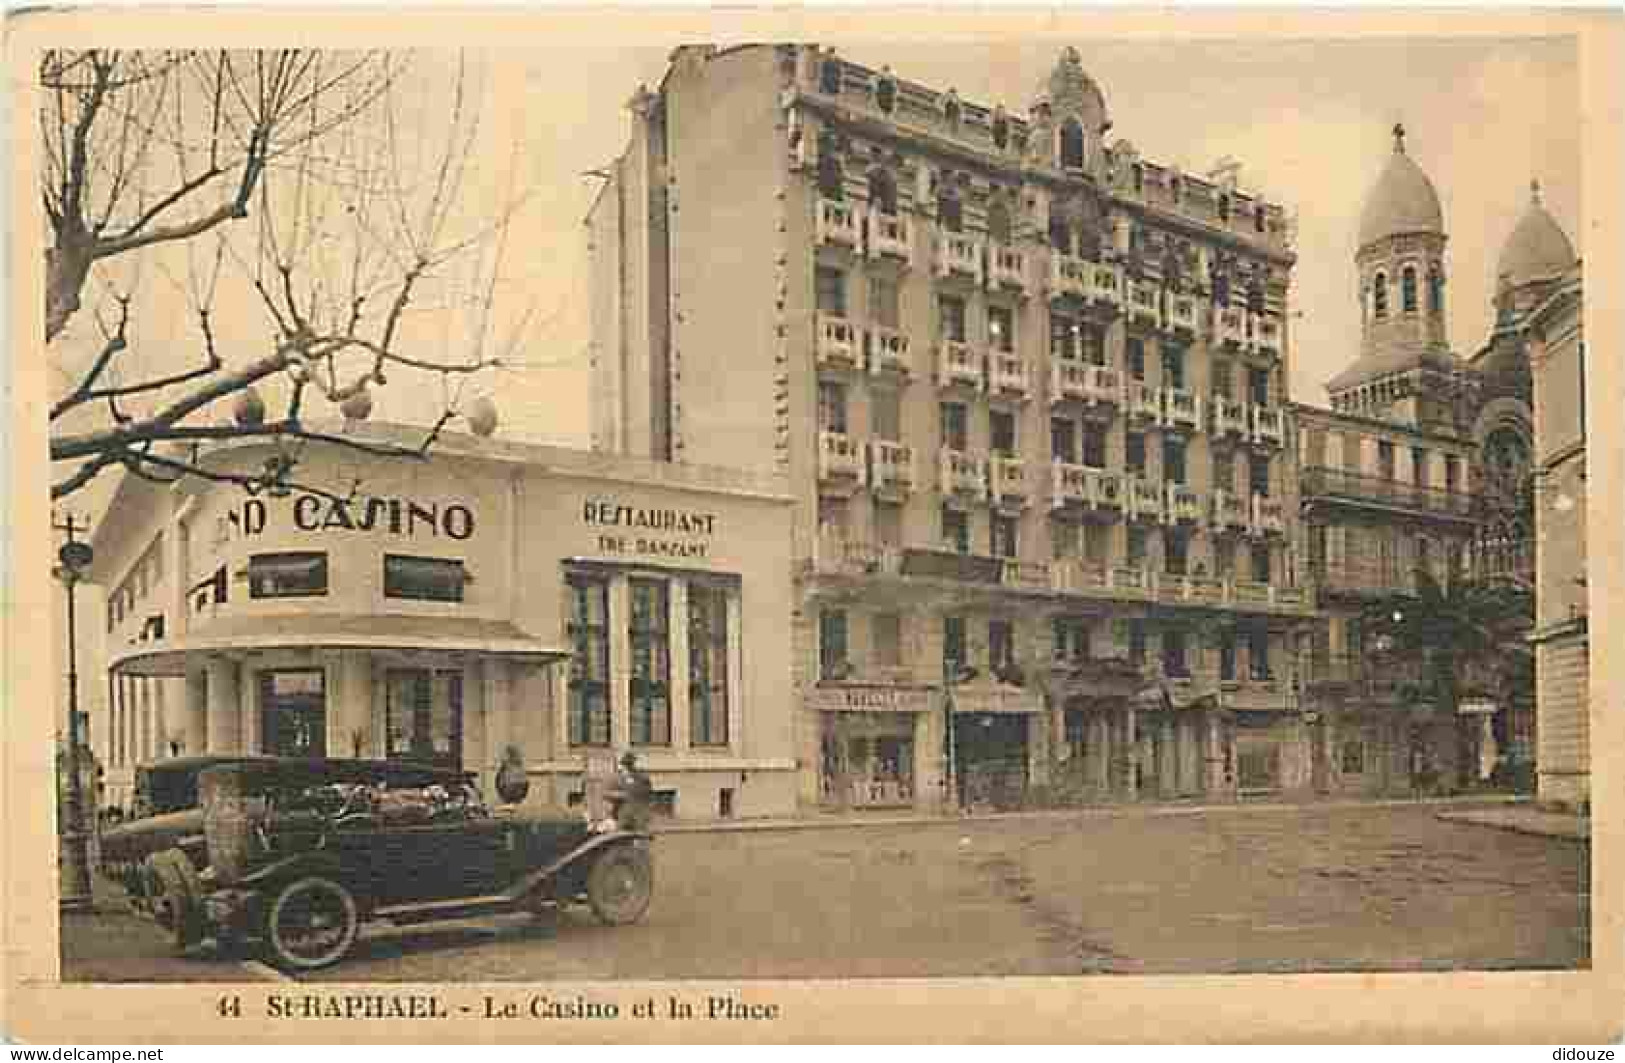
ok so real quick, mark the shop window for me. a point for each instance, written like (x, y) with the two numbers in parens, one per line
(831, 291)
(428, 579)
(293, 575)
(956, 530)
(1003, 534)
(885, 302)
(954, 659)
(650, 637)
(1174, 663)
(293, 713)
(950, 215)
(951, 318)
(1352, 760)
(1001, 328)
(1173, 460)
(886, 635)
(708, 664)
(954, 425)
(423, 713)
(1134, 453)
(1063, 442)
(832, 653)
(588, 632)
(1407, 290)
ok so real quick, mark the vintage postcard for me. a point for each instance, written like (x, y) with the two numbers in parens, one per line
(648, 525)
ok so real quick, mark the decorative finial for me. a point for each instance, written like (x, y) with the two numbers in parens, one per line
(1534, 191)
(1399, 137)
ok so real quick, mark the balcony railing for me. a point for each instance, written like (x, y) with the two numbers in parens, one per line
(959, 255)
(891, 468)
(889, 236)
(1009, 375)
(1143, 400)
(1269, 516)
(1067, 380)
(1230, 417)
(1376, 578)
(1374, 674)
(888, 351)
(1230, 326)
(1267, 335)
(1103, 384)
(1084, 487)
(1068, 275)
(1183, 313)
(1105, 285)
(1184, 504)
(1230, 510)
(1322, 482)
(1142, 303)
(839, 342)
(958, 364)
(835, 554)
(1007, 480)
(963, 476)
(840, 459)
(1181, 408)
(1009, 267)
(1144, 499)
(837, 223)
(1269, 425)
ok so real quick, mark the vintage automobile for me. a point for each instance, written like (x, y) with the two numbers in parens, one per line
(300, 855)
(167, 815)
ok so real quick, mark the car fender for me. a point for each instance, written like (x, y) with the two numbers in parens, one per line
(595, 843)
(298, 866)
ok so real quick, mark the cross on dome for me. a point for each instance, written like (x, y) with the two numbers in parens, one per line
(1399, 137)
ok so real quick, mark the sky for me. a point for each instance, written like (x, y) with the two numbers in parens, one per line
(1309, 122)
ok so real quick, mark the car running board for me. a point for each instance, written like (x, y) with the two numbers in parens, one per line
(433, 911)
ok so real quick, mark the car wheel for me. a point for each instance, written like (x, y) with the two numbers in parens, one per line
(311, 923)
(620, 884)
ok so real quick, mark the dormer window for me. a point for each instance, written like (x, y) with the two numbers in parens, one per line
(1072, 145)
(1379, 295)
(829, 77)
(883, 192)
(886, 95)
(1001, 131)
(1407, 290)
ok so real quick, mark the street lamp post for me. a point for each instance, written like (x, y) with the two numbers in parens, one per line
(74, 856)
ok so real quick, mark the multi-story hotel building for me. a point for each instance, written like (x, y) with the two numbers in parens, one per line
(1029, 389)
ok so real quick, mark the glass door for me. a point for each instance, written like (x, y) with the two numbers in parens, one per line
(293, 713)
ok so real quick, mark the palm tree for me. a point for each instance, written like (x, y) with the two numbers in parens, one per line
(1469, 637)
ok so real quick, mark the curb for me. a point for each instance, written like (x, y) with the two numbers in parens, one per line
(1579, 830)
(1083, 812)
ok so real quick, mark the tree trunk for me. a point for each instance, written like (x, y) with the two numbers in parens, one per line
(67, 266)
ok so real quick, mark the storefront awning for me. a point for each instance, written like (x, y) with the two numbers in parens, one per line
(317, 631)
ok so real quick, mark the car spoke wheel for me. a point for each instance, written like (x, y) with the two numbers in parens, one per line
(620, 885)
(312, 923)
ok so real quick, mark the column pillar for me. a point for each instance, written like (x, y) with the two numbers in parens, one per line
(620, 662)
(1100, 765)
(1167, 765)
(197, 710)
(1130, 754)
(678, 700)
(223, 723)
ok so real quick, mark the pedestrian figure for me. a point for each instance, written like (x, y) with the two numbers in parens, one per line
(633, 794)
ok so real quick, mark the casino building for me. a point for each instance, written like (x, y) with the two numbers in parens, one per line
(562, 603)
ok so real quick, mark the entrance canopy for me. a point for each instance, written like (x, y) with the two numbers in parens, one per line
(335, 631)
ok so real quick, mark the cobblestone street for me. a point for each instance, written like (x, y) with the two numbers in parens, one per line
(1135, 890)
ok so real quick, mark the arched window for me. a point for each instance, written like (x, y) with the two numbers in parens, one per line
(1379, 295)
(1407, 290)
(998, 222)
(1060, 237)
(886, 95)
(831, 181)
(949, 213)
(883, 191)
(1001, 131)
(1435, 290)
(829, 76)
(1071, 145)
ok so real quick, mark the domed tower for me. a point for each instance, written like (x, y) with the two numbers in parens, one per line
(1533, 260)
(1405, 371)
(1068, 119)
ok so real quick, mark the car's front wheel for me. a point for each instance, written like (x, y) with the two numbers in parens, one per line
(620, 884)
(310, 923)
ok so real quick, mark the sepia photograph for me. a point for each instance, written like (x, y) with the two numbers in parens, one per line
(759, 509)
